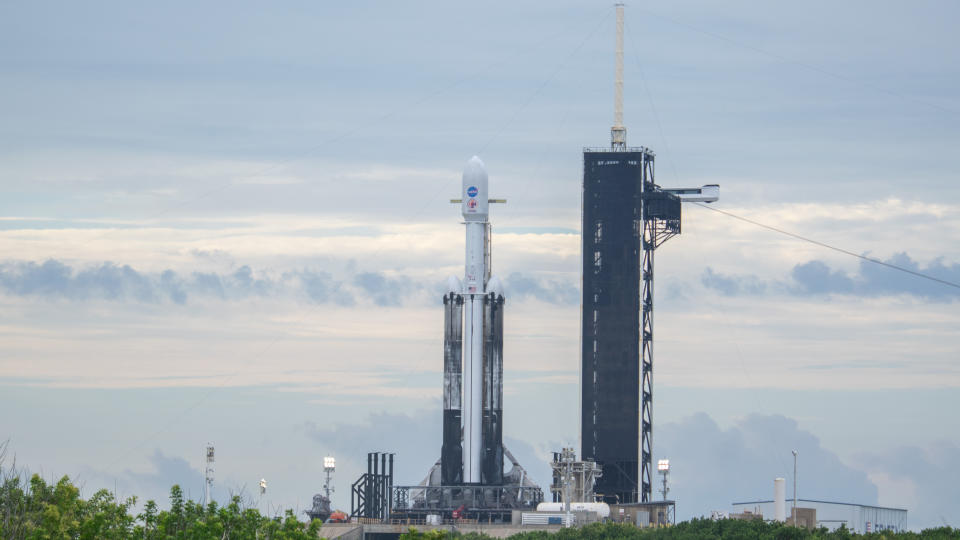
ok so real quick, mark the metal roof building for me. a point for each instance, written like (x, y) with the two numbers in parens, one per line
(859, 518)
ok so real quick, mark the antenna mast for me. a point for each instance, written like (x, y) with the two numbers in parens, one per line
(618, 133)
(208, 475)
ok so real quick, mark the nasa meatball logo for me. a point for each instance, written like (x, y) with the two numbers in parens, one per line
(472, 191)
(472, 204)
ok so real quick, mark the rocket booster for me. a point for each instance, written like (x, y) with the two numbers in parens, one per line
(475, 208)
(451, 454)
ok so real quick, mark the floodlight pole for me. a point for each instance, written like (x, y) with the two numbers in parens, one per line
(664, 467)
(329, 466)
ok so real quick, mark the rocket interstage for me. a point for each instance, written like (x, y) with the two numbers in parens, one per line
(478, 299)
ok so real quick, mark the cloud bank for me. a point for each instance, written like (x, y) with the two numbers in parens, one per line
(414, 438)
(712, 467)
(872, 280)
(122, 283)
(921, 479)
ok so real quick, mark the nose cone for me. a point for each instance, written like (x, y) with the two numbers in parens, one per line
(475, 163)
(474, 191)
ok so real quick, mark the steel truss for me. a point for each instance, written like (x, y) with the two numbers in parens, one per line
(660, 220)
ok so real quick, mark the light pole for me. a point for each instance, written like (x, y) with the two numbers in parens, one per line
(794, 488)
(329, 466)
(664, 467)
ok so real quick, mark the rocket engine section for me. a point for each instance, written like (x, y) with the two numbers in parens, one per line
(472, 450)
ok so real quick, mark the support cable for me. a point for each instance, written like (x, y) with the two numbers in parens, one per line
(543, 85)
(801, 63)
(259, 354)
(653, 108)
(834, 248)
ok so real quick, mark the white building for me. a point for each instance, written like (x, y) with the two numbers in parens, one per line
(859, 518)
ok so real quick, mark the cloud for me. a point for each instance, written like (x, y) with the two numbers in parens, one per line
(110, 281)
(415, 439)
(383, 290)
(165, 472)
(924, 480)
(54, 278)
(320, 287)
(730, 285)
(881, 280)
(519, 286)
(170, 470)
(815, 277)
(713, 467)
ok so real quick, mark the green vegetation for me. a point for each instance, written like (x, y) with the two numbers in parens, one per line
(36, 510)
(697, 529)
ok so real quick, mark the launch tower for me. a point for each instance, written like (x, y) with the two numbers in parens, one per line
(626, 216)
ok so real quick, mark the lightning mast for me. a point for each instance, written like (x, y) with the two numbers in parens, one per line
(618, 133)
(208, 475)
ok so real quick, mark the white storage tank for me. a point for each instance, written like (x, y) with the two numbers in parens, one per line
(779, 499)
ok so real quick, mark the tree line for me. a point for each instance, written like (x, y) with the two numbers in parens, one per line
(697, 529)
(37, 510)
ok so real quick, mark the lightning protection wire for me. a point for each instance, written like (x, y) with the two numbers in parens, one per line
(362, 127)
(834, 248)
(756, 223)
(653, 108)
(770, 444)
(176, 418)
(544, 84)
(800, 63)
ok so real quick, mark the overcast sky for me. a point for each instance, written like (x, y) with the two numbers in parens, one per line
(231, 224)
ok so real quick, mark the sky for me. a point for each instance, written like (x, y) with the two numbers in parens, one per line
(230, 223)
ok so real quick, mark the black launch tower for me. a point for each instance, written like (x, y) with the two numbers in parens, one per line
(626, 216)
(610, 397)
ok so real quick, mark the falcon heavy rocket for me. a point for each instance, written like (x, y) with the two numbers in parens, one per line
(473, 337)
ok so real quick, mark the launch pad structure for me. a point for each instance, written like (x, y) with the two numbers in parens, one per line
(626, 216)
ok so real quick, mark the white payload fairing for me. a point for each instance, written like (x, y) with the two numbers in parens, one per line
(477, 300)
